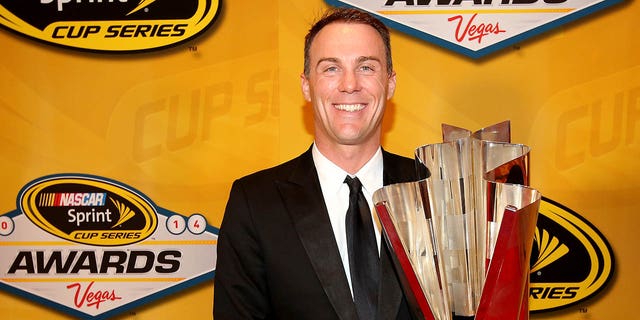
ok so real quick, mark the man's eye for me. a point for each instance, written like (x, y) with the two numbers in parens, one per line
(366, 68)
(331, 69)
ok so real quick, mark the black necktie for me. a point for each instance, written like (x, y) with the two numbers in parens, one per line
(363, 252)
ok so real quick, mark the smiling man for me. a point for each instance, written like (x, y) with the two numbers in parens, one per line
(300, 241)
(348, 82)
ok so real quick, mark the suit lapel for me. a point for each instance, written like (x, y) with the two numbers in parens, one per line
(303, 199)
(390, 292)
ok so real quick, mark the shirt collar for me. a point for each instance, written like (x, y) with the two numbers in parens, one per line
(332, 176)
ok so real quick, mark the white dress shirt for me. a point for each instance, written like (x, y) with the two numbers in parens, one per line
(336, 196)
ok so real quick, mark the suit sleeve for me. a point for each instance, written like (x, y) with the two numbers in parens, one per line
(240, 289)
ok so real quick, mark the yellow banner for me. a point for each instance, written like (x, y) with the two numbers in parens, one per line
(180, 124)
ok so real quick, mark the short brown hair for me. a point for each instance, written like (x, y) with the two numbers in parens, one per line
(347, 15)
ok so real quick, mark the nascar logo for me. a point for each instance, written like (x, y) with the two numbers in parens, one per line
(571, 259)
(110, 25)
(479, 27)
(93, 247)
(73, 199)
(86, 216)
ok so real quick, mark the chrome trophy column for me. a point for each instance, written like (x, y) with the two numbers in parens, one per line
(462, 235)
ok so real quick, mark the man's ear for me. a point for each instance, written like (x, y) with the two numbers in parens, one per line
(304, 83)
(391, 86)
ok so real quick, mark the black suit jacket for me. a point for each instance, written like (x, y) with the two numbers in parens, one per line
(277, 254)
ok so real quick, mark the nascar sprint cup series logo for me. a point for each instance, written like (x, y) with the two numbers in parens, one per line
(476, 27)
(571, 260)
(93, 247)
(109, 25)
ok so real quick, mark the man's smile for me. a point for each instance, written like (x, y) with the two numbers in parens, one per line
(350, 107)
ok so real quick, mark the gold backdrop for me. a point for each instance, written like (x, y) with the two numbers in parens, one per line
(182, 123)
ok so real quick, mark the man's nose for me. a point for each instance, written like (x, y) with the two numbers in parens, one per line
(349, 82)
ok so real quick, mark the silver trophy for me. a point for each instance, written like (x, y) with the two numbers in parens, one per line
(462, 235)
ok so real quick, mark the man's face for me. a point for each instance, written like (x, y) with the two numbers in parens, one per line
(348, 84)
